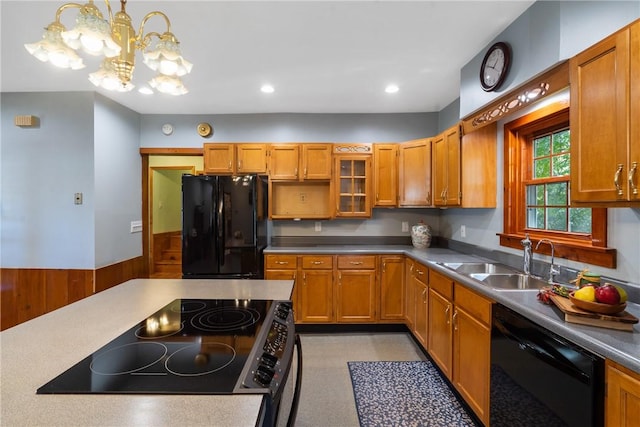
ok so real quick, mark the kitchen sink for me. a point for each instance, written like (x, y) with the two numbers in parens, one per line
(477, 267)
(510, 282)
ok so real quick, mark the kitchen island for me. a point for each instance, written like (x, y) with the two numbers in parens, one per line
(36, 351)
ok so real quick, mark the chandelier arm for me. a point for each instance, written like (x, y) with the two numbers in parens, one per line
(65, 7)
(141, 36)
(109, 11)
(144, 41)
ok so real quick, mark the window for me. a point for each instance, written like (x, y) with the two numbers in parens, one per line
(538, 192)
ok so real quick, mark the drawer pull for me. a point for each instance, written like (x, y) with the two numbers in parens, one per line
(317, 262)
(356, 262)
(420, 272)
(282, 262)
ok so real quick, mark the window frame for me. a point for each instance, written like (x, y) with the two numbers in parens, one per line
(581, 247)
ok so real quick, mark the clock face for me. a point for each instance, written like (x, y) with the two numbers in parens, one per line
(495, 66)
(167, 129)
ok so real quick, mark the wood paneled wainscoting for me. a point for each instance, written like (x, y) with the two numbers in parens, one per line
(31, 292)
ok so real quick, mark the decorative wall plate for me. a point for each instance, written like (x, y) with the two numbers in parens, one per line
(204, 129)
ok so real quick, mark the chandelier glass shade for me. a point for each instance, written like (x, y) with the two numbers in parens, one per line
(116, 40)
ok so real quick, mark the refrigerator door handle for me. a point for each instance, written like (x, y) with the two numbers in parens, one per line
(220, 240)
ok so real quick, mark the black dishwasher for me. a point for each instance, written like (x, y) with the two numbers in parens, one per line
(541, 379)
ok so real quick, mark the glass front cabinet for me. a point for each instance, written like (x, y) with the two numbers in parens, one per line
(353, 180)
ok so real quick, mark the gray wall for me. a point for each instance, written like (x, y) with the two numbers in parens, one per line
(288, 128)
(87, 144)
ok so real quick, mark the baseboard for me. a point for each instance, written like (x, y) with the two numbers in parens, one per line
(325, 328)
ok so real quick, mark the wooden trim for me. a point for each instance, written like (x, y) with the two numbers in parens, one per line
(108, 276)
(146, 215)
(545, 84)
(172, 151)
(594, 255)
(30, 292)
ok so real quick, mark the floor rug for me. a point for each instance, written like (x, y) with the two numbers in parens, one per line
(404, 394)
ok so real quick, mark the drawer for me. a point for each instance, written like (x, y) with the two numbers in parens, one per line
(356, 262)
(421, 272)
(442, 284)
(474, 304)
(281, 262)
(317, 262)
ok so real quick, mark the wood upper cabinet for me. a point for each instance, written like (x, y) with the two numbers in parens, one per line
(447, 160)
(392, 287)
(315, 293)
(472, 349)
(622, 401)
(352, 183)
(356, 289)
(479, 171)
(414, 173)
(219, 158)
(385, 174)
(297, 162)
(605, 134)
(241, 158)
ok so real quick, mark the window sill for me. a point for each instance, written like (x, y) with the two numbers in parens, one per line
(603, 257)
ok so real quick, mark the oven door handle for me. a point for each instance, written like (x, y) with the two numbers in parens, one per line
(540, 353)
(291, 421)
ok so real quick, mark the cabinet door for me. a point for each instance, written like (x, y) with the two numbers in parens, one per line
(599, 118)
(446, 168)
(316, 161)
(415, 173)
(622, 404)
(355, 296)
(471, 368)
(409, 296)
(421, 300)
(440, 331)
(315, 296)
(251, 158)
(219, 158)
(283, 161)
(353, 178)
(286, 275)
(392, 288)
(385, 174)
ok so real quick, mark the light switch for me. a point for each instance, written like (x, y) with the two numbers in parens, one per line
(136, 226)
(405, 226)
(318, 226)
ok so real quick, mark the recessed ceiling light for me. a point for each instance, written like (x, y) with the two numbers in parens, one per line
(267, 89)
(391, 89)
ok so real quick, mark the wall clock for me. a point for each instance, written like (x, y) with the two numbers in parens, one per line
(495, 66)
(204, 129)
(167, 129)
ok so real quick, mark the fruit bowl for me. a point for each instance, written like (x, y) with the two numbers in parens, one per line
(597, 307)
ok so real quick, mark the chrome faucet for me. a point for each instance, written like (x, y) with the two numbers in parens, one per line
(527, 258)
(553, 270)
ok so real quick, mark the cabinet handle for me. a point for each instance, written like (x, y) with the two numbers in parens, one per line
(384, 266)
(295, 171)
(632, 173)
(377, 197)
(355, 262)
(420, 272)
(282, 262)
(428, 197)
(239, 164)
(424, 295)
(446, 312)
(616, 180)
(339, 279)
(230, 165)
(455, 325)
(317, 262)
(305, 172)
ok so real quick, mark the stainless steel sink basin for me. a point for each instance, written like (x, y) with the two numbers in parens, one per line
(512, 282)
(477, 267)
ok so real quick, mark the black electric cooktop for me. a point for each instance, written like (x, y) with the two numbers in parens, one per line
(188, 347)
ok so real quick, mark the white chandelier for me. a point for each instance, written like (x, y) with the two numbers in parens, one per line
(117, 41)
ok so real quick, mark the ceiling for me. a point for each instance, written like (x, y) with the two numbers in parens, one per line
(320, 56)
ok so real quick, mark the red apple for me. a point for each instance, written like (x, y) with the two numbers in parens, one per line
(607, 294)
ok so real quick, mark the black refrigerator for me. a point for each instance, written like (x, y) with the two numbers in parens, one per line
(224, 226)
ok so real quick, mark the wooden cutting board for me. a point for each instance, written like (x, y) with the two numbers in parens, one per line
(622, 321)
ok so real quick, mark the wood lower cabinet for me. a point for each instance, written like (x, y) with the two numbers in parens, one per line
(440, 321)
(472, 349)
(421, 302)
(409, 293)
(356, 289)
(284, 267)
(392, 287)
(315, 293)
(622, 401)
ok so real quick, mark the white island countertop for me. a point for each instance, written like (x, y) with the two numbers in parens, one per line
(36, 351)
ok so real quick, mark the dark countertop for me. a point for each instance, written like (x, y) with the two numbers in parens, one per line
(622, 347)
